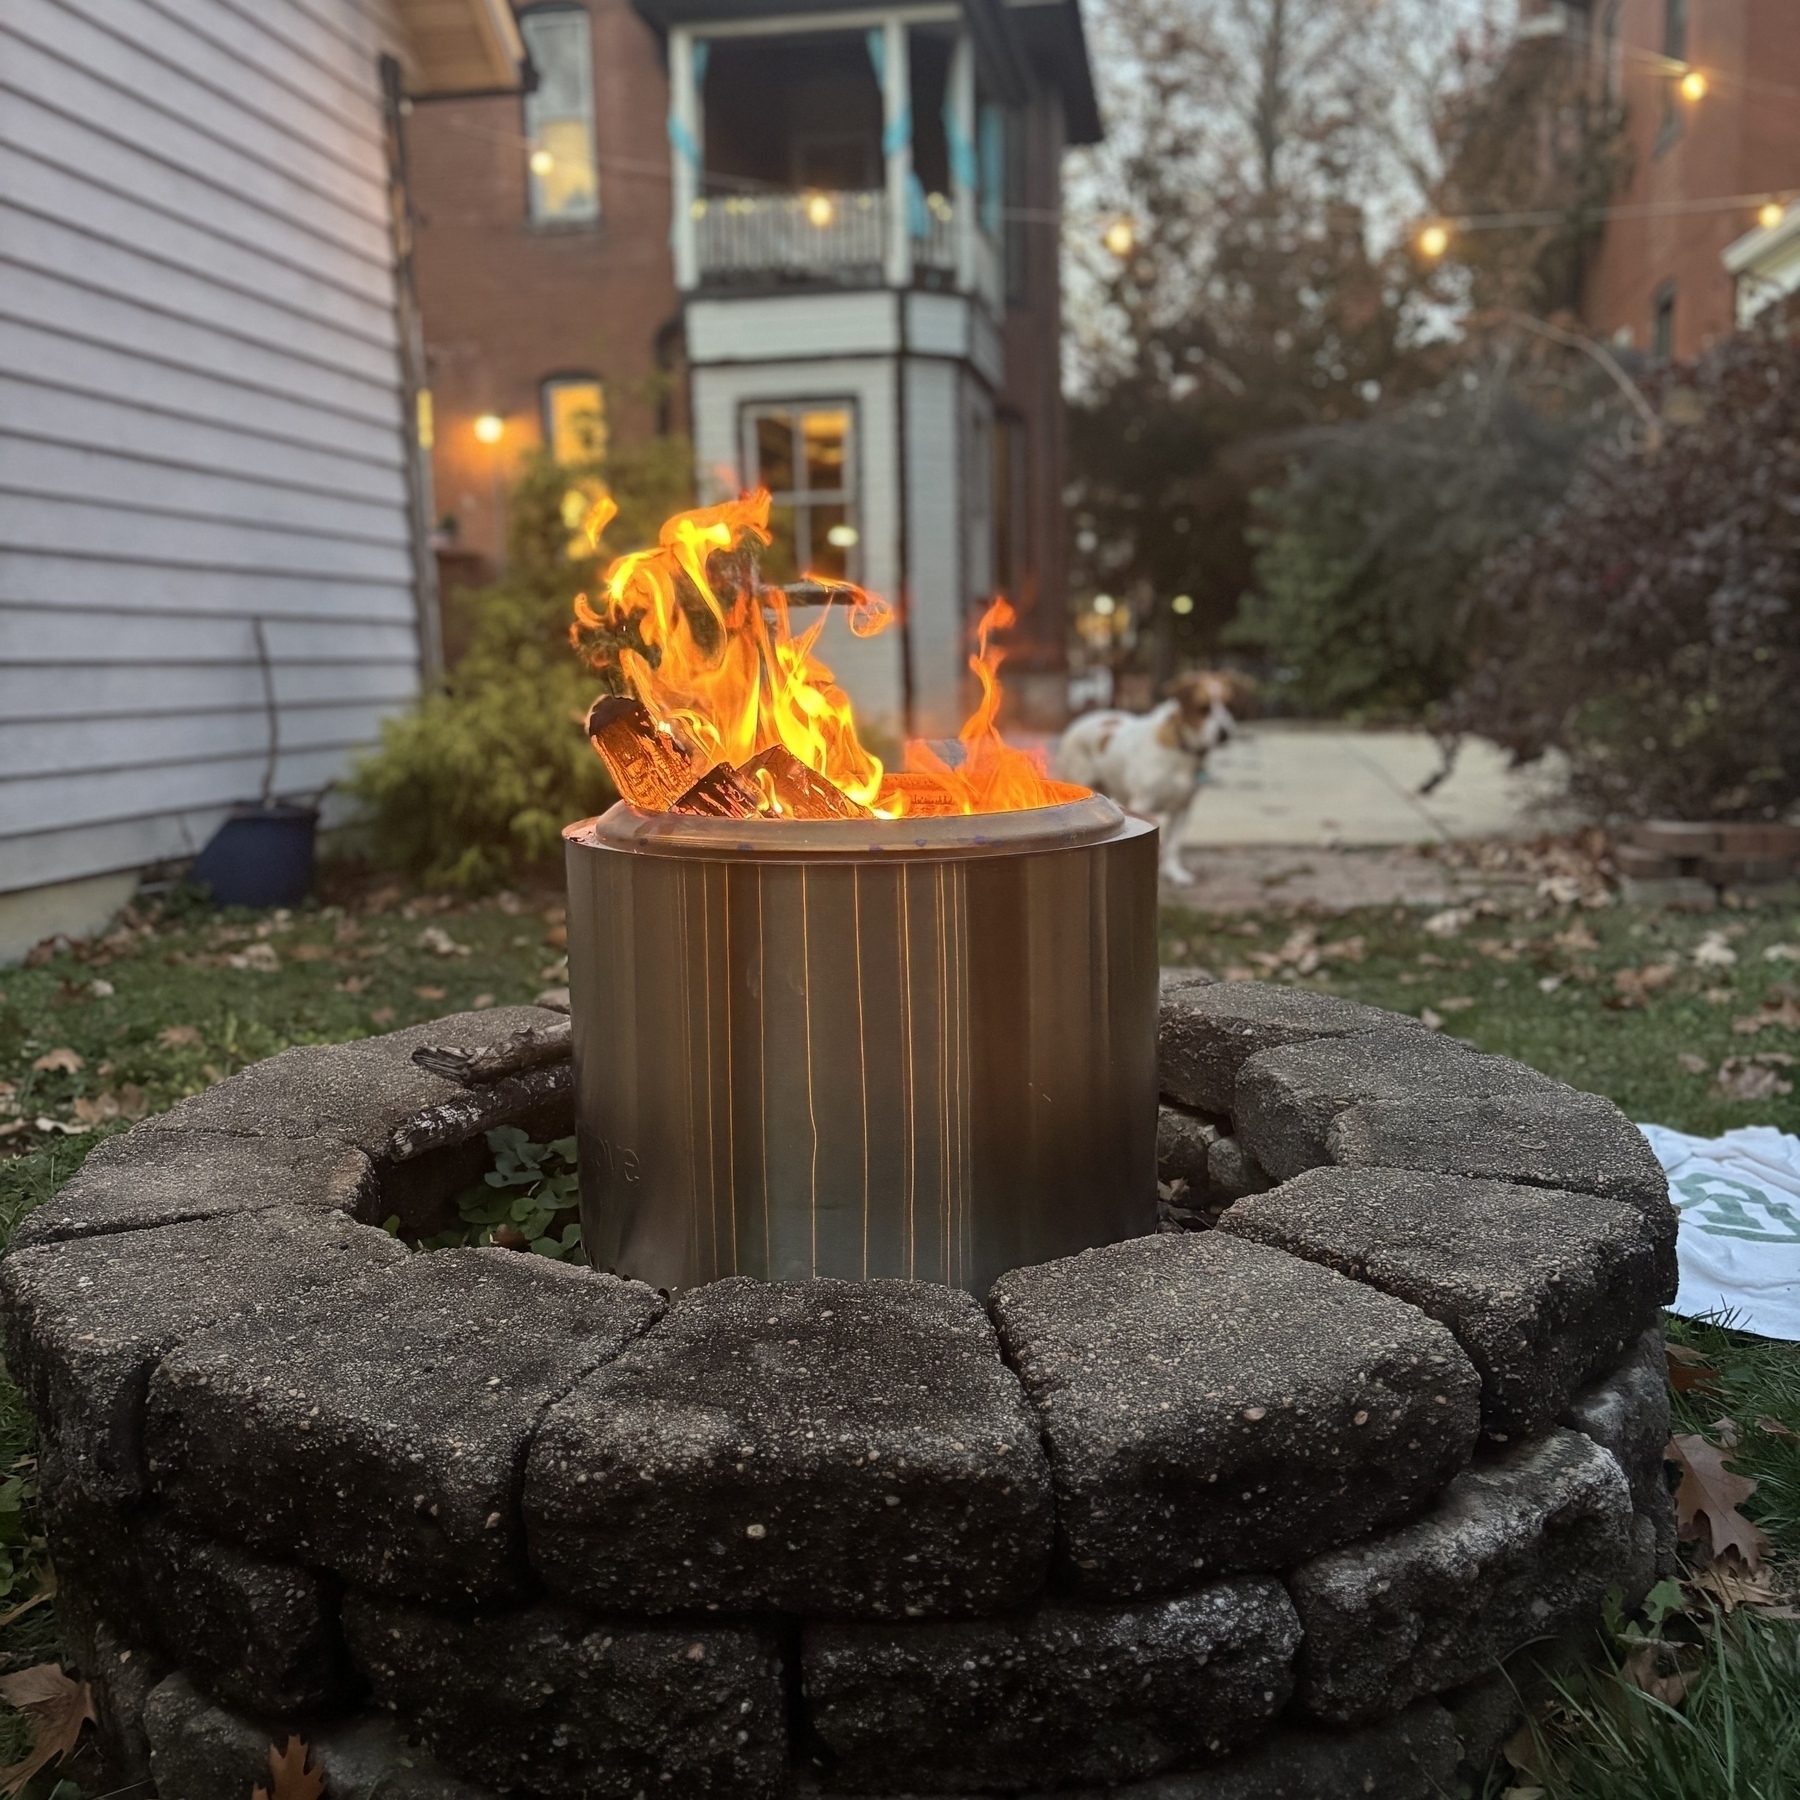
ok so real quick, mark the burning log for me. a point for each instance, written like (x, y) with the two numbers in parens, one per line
(924, 796)
(720, 794)
(648, 764)
(800, 792)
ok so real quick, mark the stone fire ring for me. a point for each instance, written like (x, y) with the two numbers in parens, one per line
(1247, 1511)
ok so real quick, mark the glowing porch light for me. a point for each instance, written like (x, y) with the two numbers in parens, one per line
(820, 210)
(1693, 85)
(1434, 240)
(490, 428)
(1770, 214)
(542, 162)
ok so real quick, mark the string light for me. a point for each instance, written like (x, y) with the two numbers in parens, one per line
(490, 428)
(1434, 240)
(542, 162)
(1183, 604)
(1105, 605)
(1120, 238)
(1693, 85)
(1771, 215)
(819, 210)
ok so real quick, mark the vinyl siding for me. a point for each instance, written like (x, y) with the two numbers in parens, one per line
(200, 418)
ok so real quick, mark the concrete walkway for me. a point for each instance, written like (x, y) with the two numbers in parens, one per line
(1284, 783)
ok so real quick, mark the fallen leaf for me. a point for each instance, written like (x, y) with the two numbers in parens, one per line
(353, 984)
(1430, 1020)
(1233, 972)
(260, 959)
(98, 1110)
(481, 1002)
(1717, 996)
(1548, 984)
(1461, 1003)
(557, 937)
(1775, 1428)
(382, 1015)
(46, 1124)
(431, 993)
(1713, 952)
(1731, 1585)
(1773, 1015)
(1752, 1077)
(1577, 937)
(1695, 1065)
(289, 1776)
(1726, 1431)
(309, 953)
(133, 1101)
(7, 1090)
(1643, 1670)
(101, 990)
(13, 1125)
(1636, 986)
(1426, 960)
(1449, 922)
(1706, 1501)
(1688, 1369)
(1782, 953)
(58, 1708)
(61, 1060)
(440, 943)
(1498, 949)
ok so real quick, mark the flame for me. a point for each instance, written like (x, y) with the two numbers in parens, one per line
(727, 674)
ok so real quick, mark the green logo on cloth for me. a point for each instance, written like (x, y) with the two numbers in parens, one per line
(1727, 1208)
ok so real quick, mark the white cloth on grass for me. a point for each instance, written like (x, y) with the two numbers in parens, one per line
(1739, 1242)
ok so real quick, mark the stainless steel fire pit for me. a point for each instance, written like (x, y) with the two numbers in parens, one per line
(922, 1048)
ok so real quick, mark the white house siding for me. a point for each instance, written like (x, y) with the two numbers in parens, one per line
(200, 418)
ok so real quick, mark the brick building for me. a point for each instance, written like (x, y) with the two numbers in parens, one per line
(821, 240)
(1712, 96)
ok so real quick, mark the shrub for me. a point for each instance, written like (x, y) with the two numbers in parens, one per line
(1365, 554)
(1651, 628)
(473, 786)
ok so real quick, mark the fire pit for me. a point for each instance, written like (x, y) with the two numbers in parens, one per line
(1265, 1504)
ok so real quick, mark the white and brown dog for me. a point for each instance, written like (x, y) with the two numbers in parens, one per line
(1151, 763)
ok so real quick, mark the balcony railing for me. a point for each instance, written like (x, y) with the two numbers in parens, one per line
(827, 236)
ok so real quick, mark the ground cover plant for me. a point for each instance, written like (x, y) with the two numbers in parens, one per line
(1688, 1020)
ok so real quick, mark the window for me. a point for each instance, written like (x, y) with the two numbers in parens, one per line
(559, 116)
(1662, 323)
(805, 457)
(574, 418)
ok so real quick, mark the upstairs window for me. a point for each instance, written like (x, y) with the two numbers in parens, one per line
(574, 418)
(805, 457)
(1662, 323)
(559, 116)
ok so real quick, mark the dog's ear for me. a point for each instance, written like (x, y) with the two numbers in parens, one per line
(1191, 689)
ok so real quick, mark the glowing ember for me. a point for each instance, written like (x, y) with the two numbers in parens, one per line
(728, 712)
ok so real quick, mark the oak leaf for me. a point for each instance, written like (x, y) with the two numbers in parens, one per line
(1688, 1369)
(1775, 1428)
(1706, 1502)
(290, 1777)
(58, 1708)
(60, 1060)
(1644, 1670)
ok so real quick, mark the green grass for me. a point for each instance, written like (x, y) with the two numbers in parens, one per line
(340, 973)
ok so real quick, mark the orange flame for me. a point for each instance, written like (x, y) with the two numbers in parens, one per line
(728, 674)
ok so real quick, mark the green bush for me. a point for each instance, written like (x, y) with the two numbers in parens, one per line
(473, 786)
(1365, 554)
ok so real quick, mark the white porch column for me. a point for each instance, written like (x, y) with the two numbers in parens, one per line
(896, 143)
(959, 130)
(686, 136)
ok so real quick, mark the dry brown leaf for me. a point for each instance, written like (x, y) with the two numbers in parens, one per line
(289, 1776)
(1752, 1077)
(309, 953)
(1695, 1065)
(98, 1110)
(431, 993)
(1577, 937)
(1457, 1003)
(354, 984)
(382, 1015)
(1643, 1669)
(1728, 1582)
(1726, 1431)
(61, 1060)
(1775, 1428)
(58, 1707)
(1706, 1502)
(1688, 1369)
(1773, 1015)
(1635, 986)
(1432, 1021)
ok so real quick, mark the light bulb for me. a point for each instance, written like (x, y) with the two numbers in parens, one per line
(490, 428)
(820, 210)
(1104, 605)
(1693, 85)
(1120, 238)
(542, 162)
(1434, 240)
(1183, 604)
(1771, 215)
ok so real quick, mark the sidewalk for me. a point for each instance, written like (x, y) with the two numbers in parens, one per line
(1325, 787)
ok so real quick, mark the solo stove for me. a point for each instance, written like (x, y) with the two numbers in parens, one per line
(917, 1047)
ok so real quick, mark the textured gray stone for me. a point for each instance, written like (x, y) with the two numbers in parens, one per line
(1561, 1138)
(360, 1093)
(1543, 1290)
(256, 1635)
(152, 1177)
(87, 1321)
(1231, 1174)
(1627, 1412)
(1061, 1696)
(120, 1674)
(834, 1448)
(565, 1705)
(1182, 1143)
(202, 1751)
(1287, 1098)
(1211, 1405)
(1516, 1549)
(380, 1430)
(1412, 1757)
(1208, 1029)
(1485, 1714)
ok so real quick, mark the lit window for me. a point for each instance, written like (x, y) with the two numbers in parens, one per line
(574, 418)
(559, 116)
(805, 457)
